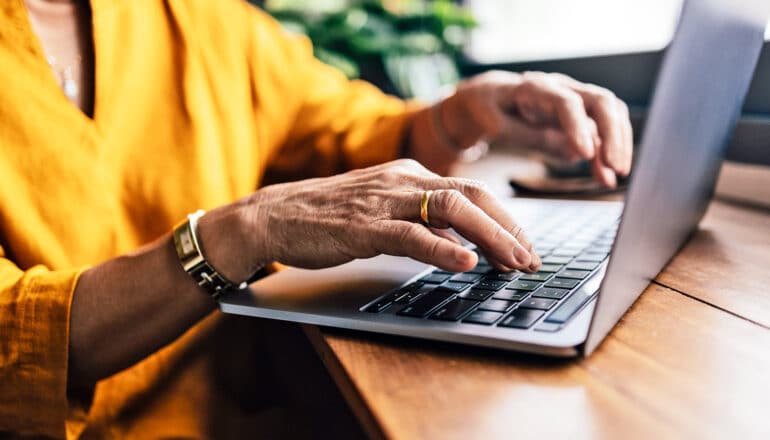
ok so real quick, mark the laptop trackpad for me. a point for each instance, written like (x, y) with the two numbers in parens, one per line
(348, 285)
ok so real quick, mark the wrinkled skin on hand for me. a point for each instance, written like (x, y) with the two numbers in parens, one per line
(547, 112)
(363, 213)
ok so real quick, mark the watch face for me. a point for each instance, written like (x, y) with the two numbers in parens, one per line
(185, 240)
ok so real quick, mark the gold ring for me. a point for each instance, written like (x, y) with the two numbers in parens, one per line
(424, 207)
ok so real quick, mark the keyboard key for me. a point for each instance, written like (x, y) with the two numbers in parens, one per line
(411, 287)
(465, 277)
(568, 308)
(481, 268)
(455, 286)
(537, 276)
(491, 284)
(384, 302)
(507, 276)
(583, 265)
(551, 293)
(426, 303)
(454, 310)
(435, 278)
(402, 295)
(511, 295)
(496, 305)
(476, 294)
(412, 294)
(590, 256)
(556, 260)
(483, 317)
(575, 274)
(581, 242)
(608, 242)
(599, 249)
(538, 303)
(379, 306)
(567, 251)
(550, 267)
(522, 318)
(524, 285)
(562, 283)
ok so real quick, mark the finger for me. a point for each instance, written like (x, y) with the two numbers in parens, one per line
(490, 226)
(478, 193)
(555, 143)
(614, 126)
(409, 239)
(603, 174)
(498, 265)
(451, 208)
(628, 139)
(444, 233)
(564, 104)
(518, 133)
(535, 262)
(549, 140)
(603, 107)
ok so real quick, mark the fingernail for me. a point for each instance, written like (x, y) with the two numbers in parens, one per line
(465, 258)
(522, 256)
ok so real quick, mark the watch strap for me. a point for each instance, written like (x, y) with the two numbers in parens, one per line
(194, 262)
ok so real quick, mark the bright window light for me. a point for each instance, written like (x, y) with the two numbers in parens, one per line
(527, 30)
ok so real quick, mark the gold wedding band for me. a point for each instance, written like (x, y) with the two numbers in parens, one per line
(424, 207)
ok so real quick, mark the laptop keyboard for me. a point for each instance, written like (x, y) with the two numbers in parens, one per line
(572, 245)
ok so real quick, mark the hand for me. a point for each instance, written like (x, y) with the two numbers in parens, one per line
(360, 214)
(553, 112)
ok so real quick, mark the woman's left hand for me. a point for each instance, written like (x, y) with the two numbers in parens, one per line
(551, 112)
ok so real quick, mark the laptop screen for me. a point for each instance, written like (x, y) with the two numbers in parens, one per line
(701, 86)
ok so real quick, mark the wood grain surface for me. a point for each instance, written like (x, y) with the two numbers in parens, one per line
(673, 368)
(691, 359)
(727, 262)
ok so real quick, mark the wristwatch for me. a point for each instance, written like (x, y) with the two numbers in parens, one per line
(195, 264)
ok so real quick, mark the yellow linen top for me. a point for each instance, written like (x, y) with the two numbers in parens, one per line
(197, 102)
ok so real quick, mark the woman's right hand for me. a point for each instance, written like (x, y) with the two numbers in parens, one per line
(360, 214)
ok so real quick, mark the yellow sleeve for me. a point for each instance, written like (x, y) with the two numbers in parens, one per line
(333, 124)
(34, 345)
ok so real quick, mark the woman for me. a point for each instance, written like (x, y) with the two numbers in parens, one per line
(121, 117)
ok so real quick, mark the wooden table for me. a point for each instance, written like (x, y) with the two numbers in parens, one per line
(691, 359)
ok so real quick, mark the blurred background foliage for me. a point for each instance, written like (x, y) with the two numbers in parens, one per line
(406, 47)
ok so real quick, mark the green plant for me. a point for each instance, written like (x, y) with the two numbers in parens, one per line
(409, 47)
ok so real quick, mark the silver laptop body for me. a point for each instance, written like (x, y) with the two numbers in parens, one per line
(700, 89)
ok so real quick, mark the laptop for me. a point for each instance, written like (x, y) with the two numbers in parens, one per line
(597, 256)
